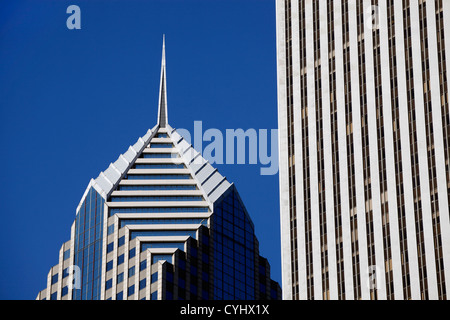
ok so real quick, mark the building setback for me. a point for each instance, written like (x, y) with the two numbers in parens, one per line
(161, 224)
(364, 160)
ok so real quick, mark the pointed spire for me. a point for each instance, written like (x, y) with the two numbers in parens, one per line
(162, 107)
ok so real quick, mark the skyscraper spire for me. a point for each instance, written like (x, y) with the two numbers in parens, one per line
(162, 107)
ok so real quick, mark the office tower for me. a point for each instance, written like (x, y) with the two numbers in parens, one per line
(364, 159)
(161, 224)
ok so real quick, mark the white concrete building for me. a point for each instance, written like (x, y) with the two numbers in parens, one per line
(364, 159)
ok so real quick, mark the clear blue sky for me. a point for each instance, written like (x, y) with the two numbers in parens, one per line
(71, 101)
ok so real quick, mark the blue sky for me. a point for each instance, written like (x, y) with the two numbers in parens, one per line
(71, 101)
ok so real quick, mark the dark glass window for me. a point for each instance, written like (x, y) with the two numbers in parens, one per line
(131, 290)
(157, 257)
(142, 284)
(131, 271)
(88, 246)
(132, 253)
(161, 145)
(110, 247)
(110, 229)
(120, 259)
(121, 241)
(108, 284)
(119, 277)
(233, 235)
(169, 276)
(160, 155)
(66, 254)
(54, 278)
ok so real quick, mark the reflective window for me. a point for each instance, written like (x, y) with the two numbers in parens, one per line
(161, 145)
(142, 284)
(159, 155)
(88, 246)
(131, 290)
(156, 198)
(108, 284)
(154, 277)
(179, 245)
(158, 257)
(125, 222)
(110, 247)
(158, 233)
(120, 259)
(113, 211)
(233, 233)
(160, 187)
(111, 229)
(131, 271)
(132, 253)
(66, 254)
(158, 176)
(121, 241)
(54, 278)
(159, 166)
(119, 277)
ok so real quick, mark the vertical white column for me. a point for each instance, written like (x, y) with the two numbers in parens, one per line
(312, 132)
(358, 154)
(389, 149)
(72, 258)
(148, 273)
(283, 152)
(60, 271)
(373, 155)
(160, 283)
(48, 293)
(137, 260)
(126, 263)
(438, 134)
(406, 151)
(445, 223)
(104, 254)
(328, 152)
(115, 254)
(343, 169)
(298, 136)
(422, 153)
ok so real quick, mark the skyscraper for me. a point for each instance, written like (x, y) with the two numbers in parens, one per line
(364, 160)
(161, 224)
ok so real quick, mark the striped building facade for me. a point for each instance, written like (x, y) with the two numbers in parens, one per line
(364, 160)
